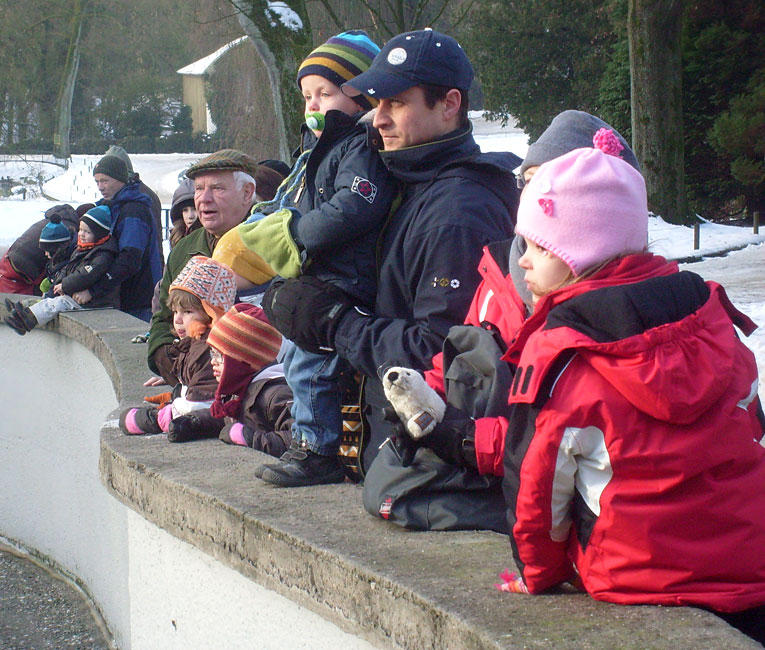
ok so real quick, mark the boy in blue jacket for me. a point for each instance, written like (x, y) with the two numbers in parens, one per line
(340, 193)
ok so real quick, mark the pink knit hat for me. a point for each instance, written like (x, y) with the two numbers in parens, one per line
(585, 207)
(210, 281)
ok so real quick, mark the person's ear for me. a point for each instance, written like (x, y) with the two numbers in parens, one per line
(452, 103)
(249, 192)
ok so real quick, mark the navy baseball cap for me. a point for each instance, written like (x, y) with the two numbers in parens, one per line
(412, 58)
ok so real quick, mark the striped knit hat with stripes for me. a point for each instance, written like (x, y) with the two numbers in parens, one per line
(248, 344)
(340, 59)
(243, 333)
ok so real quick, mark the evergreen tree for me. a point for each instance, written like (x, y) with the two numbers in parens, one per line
(538, 58)
(722, 49)
(739, 136)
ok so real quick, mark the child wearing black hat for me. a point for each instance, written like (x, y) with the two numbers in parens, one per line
(90, 260)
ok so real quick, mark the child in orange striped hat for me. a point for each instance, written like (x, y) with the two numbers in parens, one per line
(199, 296)
(252, 396)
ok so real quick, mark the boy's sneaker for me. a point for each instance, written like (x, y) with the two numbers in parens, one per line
(26, 316)
(20, 318)
(304, 467)
(14, 321)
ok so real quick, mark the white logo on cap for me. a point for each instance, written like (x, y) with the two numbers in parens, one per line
(397, 56)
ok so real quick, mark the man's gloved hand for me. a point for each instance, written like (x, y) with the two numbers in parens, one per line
(406, 446)
(307, 311)
(453, 439)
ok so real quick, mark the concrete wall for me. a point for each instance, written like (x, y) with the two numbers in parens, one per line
(196, 553)
(153, 590)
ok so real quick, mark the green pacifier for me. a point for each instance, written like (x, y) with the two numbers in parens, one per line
(314, 121)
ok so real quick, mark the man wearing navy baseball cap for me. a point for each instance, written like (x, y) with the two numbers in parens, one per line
(454, 200)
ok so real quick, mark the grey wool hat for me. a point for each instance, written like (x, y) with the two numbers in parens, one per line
(225, 160)
(571, 130)
(183, 196)
(114, 167)
(116, 150)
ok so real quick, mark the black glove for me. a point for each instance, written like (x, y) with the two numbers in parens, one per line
(185, 428)
(453, 439)
(307, 311)
(406, 446)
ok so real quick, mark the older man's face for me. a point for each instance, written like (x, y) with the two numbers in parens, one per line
(220, 204)
(107, 185)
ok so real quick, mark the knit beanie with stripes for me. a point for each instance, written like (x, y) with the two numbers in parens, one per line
(340, 59)
(248, 343)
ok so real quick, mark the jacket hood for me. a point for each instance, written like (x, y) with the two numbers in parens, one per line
(457, 155)
(182, 195)
(673, 372)
(664, 342)
(422, 163)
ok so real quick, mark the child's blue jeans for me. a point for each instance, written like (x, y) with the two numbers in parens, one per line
(313, 379)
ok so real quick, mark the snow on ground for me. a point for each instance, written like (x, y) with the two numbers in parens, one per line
(161, 172)
(742, 272)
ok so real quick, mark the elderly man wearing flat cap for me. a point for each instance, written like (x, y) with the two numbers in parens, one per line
(224, 191)
(455, 200)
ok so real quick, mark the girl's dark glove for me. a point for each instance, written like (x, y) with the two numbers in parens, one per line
(453, 439)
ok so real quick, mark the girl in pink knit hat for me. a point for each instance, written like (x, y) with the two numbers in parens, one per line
(632, 460)
(201, 293)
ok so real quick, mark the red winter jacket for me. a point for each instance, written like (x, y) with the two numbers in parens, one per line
(496, 305)
(633, 446)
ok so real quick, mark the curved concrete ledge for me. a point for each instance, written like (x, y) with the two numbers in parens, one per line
(314, 546)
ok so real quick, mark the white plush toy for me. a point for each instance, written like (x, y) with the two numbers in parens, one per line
(417, 404)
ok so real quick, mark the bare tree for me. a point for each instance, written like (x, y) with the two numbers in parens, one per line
(657, 105)
(68, 78)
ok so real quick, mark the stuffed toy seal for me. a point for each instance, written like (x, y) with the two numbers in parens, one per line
(417, 404)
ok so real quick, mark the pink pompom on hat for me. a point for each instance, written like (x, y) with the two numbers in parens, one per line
(210, 281)
(586, 207)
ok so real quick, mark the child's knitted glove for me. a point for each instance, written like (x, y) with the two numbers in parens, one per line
(512, 583)
(164, 417)
(160, 400)
(270, 238)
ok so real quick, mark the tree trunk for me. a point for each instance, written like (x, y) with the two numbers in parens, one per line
(66, 89)
(274, 78)
(657, 107)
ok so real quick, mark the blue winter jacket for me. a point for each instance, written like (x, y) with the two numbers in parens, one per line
(138, 266)
(455, 201)
(343, 201)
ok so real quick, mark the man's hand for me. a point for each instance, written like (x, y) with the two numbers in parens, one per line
(82, 297)
(406, 446)
(307, 311)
